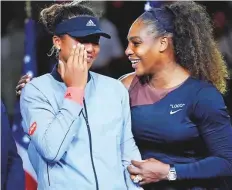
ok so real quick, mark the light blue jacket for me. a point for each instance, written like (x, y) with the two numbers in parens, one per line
(60, 148)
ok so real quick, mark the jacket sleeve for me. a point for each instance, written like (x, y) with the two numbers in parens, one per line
(129, 149)
(51, 131)
(215, 128)
(15, 174)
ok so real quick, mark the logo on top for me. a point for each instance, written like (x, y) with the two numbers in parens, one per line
(90, 23)
(178, 108)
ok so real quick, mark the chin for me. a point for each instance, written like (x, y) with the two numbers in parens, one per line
(139, 73)
(89, 65)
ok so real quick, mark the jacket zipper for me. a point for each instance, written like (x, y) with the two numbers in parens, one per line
(48, 175)
(90, 144)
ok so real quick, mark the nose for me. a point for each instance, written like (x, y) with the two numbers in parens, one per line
(128, 51)
(89, 47)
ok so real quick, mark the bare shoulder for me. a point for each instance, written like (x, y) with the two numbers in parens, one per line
(127, 79)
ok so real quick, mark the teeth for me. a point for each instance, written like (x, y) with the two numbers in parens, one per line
(134, 61)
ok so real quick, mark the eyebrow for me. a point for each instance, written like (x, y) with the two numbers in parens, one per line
(134, 38)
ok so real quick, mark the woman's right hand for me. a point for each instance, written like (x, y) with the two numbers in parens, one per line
(75, 72)
(22, 82)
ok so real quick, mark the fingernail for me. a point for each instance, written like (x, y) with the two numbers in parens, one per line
(23, 84)
(74, 46)
(27, 80)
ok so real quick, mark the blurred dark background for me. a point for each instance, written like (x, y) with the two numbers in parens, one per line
(117, 18)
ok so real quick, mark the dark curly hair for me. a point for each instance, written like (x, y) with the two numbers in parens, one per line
(192, 36)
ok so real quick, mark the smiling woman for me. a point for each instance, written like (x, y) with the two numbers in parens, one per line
(179, 119)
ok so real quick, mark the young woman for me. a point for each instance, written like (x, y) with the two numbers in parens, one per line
(80, 138)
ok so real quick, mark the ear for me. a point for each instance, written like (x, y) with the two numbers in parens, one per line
(56, 41)
(164, 42)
